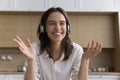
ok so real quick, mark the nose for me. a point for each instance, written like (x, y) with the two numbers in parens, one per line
(57, 27)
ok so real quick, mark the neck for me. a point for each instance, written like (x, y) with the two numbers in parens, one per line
(56, 50)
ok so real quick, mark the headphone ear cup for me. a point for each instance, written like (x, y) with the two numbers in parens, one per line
(41, 28)
(68, 28)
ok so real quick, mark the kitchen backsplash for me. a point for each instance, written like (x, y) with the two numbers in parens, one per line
(10, 59)
(103, 60)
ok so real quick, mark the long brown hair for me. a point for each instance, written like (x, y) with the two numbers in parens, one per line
(44, 39)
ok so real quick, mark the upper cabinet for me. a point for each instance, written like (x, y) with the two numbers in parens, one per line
(118, 5)
(29, 5)
(86, 27)
(84, 5)
(12, 25)
(22, 5)
(5, 5)
(67, 5)
(97, 5)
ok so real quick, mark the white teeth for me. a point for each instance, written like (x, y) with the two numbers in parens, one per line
(57, 33)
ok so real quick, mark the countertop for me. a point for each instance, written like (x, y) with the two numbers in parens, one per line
(12, 73)
(104, 73)
(90, 73)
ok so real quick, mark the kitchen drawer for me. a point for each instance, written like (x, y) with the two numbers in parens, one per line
(104, 77)
(12, 77)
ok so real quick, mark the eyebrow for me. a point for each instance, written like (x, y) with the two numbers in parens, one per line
(55, 21)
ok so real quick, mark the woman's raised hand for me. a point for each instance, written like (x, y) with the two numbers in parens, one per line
(26, 49)
(93, 49)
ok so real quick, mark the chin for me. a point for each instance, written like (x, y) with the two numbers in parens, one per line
(57, 40)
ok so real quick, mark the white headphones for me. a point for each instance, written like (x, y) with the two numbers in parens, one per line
(42, 28)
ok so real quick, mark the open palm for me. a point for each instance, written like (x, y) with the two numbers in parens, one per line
(93, 49)
(26, 49)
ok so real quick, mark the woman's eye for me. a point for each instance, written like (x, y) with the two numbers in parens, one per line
(62, 24)
(51, 23)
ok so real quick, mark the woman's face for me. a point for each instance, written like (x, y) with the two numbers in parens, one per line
(56, 26)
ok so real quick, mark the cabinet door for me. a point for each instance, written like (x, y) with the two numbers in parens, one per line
(29, 5)
(118, 5)
(104, 77)
(23, 26)
(67, 5)
(4, 5)
(16, 77)
(97, 27)
(97, 5)
(2, 77)
(7, 30)
(12, 25)
(73, 28)
(35, 24)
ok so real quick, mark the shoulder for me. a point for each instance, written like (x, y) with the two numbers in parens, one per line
(77, 46)
(36, 46)
(77, 49)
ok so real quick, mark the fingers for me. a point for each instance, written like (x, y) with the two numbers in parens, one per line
(94, 48)
(28, 43)
(18, 39)
(20, 42)
(21, 49)
(99, 47)
(88, 47)
(92, 44)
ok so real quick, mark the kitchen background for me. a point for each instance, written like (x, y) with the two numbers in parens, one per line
(90, 19)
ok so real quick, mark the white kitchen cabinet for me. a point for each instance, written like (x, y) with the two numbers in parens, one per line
(67, 5)
(104, 77)
(97, 5)
(3, 77)
(12, 77)
(5, 5)
(16, 77)
(22, 5)
(118, 5)
(29, 5)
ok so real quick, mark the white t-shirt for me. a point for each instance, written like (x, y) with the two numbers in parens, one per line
(47, 69)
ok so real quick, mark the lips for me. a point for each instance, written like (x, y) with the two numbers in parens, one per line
(57, 33)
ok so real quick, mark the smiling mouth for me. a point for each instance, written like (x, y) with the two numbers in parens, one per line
(57, 33)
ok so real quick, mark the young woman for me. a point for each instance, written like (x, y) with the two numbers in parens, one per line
(55, 57)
